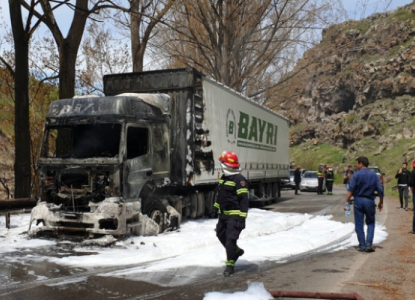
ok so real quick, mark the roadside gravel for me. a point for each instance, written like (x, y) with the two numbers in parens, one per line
(389, 273)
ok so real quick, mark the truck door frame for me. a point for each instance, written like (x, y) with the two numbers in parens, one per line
(137, 171)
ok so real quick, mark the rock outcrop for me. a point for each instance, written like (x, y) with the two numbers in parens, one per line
(359, 80)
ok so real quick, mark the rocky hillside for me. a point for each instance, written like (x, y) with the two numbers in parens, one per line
(360, 81)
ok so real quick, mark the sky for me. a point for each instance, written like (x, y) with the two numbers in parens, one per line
(64, 16)
(269, 236)
(353, 8)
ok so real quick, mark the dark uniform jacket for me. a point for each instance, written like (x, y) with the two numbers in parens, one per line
(330, 176)
(232, 200)
(297, 176)
(404, 177)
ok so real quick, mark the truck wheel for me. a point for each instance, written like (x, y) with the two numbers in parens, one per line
(179, 207)
(200, 204)
(275, 192)
(193, 205)
(186, 206)
(260, 190)
(156, 210)
(269, 189)
(210, 200)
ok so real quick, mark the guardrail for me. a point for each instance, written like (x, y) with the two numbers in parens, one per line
(15, 207)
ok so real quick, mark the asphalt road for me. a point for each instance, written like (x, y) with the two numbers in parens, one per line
(323, 272)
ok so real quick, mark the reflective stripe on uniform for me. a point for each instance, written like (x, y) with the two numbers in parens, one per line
(243, 214)
(229, 183)
(230, 263)
(242, 191)
(232, 212)
(216, 205)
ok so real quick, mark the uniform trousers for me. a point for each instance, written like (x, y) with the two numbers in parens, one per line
(227, 231)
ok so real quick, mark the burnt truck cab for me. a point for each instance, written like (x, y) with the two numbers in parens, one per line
(99, 154)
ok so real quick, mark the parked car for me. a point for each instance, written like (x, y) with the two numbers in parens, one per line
(289, 184)
(378, 172)
(309, 181)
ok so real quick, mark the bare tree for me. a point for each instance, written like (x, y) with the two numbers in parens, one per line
(141, 19)
(144, 16)
(22, 32)
(246, 45)
(102, 52)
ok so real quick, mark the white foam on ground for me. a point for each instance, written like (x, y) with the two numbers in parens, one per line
(255, 291)
(14, 239)
(269, 236)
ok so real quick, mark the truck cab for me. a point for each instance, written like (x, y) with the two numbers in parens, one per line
(97, 155)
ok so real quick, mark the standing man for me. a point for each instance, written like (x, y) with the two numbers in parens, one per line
(320, 178)
(347, 176)
(412, 185)
(232, 205)
(329, 180)
(297, 179)
(363, 186)
(403, 175)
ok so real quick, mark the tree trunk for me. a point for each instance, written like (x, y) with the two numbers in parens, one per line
(136, 47)
(22, 166)
(67, 62)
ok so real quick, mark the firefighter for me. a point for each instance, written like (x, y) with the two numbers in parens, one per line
(232, 207)
(320, 176)
(329, 180)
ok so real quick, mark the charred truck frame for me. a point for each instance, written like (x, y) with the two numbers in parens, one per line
(139, 159)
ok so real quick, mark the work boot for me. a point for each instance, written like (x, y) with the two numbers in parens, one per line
(370, 249)
(228, 271)
(239, 253)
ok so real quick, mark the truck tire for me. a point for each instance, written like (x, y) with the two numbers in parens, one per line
(210, 200)
(269, 190)
(275, 191)
(209, 203)
(200, 204)
(193, 206)
(155, 211)
(179, 207)
(260, 190)
(186, 206)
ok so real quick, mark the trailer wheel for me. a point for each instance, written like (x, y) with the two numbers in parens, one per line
(260, 190)
(200, 204)
(275, 192)
(179, 207)
(193, 205)
(269, 189)
(209, 203)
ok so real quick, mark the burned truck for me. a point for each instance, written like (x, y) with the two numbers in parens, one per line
(145, 155)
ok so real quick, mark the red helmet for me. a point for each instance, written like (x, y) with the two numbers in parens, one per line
(229, 159)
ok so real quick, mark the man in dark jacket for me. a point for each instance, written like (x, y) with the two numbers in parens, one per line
(232, 206)
(329, 180)
(403, 175)
(297, 179)
(320, 178)
(363, 186)
(412, 185)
